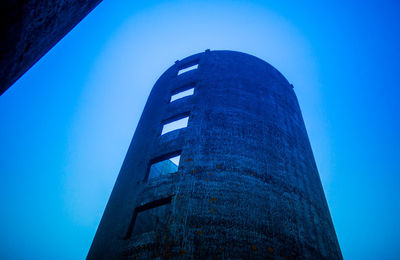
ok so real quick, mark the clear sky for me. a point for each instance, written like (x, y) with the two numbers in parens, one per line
(66, 125)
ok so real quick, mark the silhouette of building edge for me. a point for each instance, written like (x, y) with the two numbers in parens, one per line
(30, 28)
(247, 186)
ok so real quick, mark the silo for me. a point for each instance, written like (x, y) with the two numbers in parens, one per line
(220, 166)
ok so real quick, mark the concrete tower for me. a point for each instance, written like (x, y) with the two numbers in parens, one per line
(236, 179)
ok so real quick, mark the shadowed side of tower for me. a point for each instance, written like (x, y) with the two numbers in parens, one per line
(246, 186)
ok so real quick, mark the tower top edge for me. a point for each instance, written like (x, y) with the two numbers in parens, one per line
(223, 53)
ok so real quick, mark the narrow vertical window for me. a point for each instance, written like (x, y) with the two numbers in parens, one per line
(175, 125)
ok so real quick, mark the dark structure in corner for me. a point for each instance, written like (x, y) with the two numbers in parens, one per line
(30, 28)
(236, 180)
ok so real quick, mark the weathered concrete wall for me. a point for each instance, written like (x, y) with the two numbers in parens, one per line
(30, 28)
(247, 185)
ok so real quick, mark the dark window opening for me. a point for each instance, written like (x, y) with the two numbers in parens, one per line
(149, 217)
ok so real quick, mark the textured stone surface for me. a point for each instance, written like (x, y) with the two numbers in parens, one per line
(30, 28)
(247, 185)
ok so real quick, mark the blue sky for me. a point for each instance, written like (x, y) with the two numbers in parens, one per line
(66, 125)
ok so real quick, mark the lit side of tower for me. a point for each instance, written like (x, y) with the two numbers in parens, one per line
(247, 186)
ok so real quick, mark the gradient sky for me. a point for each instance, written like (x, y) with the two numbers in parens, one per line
(66, 125)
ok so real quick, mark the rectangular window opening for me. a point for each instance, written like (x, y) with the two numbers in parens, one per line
(175, 125)
(166, 166)
(186, 69)
(182, 94)
(149, 217)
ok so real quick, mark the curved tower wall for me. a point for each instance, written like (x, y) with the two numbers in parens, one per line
(247, 184)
